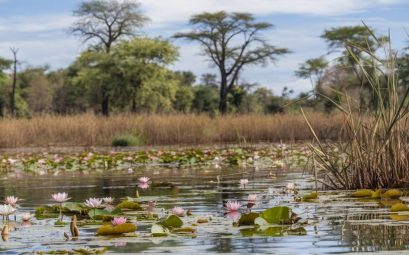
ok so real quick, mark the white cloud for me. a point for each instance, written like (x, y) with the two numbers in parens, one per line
(163, 12)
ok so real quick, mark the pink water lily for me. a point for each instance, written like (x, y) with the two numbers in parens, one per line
(118, 221)
(178, 211)
(143, 185)
(108, 200)
(233, 206)
(11, 200)
(144, 179)
(233, 215)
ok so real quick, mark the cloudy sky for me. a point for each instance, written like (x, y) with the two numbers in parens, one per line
(39, 29)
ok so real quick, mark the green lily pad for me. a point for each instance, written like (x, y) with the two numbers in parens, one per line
(172, 221)
(116, 230)
(277, 215)
(248, 219)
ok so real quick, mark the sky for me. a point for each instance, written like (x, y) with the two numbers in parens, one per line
(39, 29)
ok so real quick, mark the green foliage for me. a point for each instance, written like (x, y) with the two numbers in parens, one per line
(247, 219)
(127, 140)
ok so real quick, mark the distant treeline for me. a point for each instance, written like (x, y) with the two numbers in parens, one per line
(122, 71)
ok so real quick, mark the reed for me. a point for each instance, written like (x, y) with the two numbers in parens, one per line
(178, 129)
(374, 153)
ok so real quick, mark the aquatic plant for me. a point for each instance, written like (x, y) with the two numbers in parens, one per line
(233, 206)
(93, 203)
(6, 210)
(60, 198)
(144, 179)
(27, 216)
(252, 198)
(118, 221)
(374, 151)
(11, 200)
(243, 182)
(178, 211)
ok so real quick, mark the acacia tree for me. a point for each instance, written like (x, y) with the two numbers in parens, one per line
(231, 41)
(104, 22)
(314, 70)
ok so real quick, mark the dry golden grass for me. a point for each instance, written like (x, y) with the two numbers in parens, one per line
(91, 130)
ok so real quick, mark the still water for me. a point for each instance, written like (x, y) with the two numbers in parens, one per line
(336, 224)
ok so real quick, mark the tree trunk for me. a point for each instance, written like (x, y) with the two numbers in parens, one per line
(105, 106)
(13, 91)
(223, 95)
(133, 108)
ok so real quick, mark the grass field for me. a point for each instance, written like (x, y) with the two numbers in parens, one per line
(180, 129)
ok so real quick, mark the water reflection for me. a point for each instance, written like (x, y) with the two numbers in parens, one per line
(332, 227)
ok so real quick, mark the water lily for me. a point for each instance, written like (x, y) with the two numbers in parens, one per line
(178, 211)
(243, 182)
(252, 198)
(290, 188)
(143, 185)
(11, 200)
(108, 200)
(6, 210)
(60, 198)
(144, 179)
(118, 221)
(233, 215)
(27, 216)
(93, 203)
(233, 206)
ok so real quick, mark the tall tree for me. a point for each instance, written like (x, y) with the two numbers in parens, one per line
(231, 41)
(105, 22)
(314, 70)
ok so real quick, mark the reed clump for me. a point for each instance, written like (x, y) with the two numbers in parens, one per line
(174, 129)
(374, 153)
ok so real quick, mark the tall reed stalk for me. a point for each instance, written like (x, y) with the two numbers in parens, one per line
(375, 153)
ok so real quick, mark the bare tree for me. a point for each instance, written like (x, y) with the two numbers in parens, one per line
(14, 85)
(105, 22)
(231, 41)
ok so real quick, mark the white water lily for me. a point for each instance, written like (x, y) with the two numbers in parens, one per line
(6, 210)
(60, 197)
(93, 202)
(27, 216)
(108, 200)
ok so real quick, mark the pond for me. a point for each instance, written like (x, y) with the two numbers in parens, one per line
(335, 223)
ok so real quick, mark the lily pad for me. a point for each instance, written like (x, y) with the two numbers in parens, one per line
(392, 193)
(399, 207)
(159, 230)
(171, 221)
(248, 219)
(363, 193)
(277, 215)
(116, 230)
(130, 205)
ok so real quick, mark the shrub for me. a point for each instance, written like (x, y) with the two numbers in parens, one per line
(127, 140)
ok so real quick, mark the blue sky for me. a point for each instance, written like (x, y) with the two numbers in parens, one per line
(39, 29)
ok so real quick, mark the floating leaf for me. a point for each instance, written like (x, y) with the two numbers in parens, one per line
(159, 230)
(130, 205)
(399, 207)
(116, 230)
(172, 221)
(311, 196)
(277, 215)
(392, 193)
(248, 219)
(363, 193)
